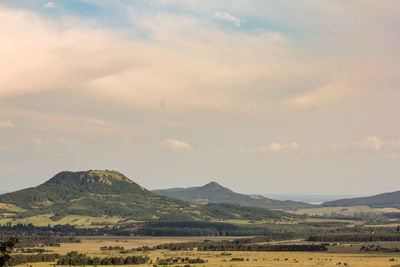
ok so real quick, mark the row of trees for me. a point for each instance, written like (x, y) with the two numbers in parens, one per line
(60, 230)
(23, 258)
(355, 238)
(74, 258)
(256, 247)
(37, 241)
(179, 260)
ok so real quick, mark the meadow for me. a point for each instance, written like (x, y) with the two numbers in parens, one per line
(342, 255)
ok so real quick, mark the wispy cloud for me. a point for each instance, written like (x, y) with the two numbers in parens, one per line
(171, 123)
(7, 124)
(274, 147)
(36, 141)
(227, 17)
(68, 142)
(49, 5)
(373, 143)
(176, 145)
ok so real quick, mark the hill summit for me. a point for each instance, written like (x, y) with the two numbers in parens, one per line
(385, 200)
(216, 193)
(93, 177)
(110, 193)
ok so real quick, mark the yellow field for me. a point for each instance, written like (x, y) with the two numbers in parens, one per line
(77, 220)
(11, 207)
(272, 259)
(343, 210)
(91, 246)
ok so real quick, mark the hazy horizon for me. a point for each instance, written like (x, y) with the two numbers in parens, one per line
(276, 97)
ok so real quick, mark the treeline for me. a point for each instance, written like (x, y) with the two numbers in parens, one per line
(262, 247)
(62, 230)
(40, 241)
(392, 215)
(74, 258)
(105, 248)
(180, 260)
(355, 238)
(242, 244)
(21, 258)
(31, 250)
(192, 228)
(325, 224)
(192, 245)
(378, 248)
(197, 228)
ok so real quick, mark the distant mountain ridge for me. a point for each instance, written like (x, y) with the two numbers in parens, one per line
(385, 200)
(216, 193)
(110, 193)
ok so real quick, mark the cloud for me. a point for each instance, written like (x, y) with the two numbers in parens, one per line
(369, 143)
(49, 5)
(274, 148)
(278, 147)
(68, 142)
(171, 123)
(373, 143)
(163, 68)
(339, 89)
(239, 70)
(7, 124)
(176, 145)
(228, 17)
(36, 141)
(97, 122)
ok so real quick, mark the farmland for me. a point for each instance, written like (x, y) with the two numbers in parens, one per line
(340, 255)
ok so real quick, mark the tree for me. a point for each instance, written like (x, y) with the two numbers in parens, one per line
(5, 248)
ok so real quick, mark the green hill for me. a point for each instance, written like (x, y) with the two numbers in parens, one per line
(215, 193)
(110, 193)
(385, 200)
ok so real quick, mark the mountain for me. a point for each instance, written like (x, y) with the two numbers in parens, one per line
(215, 193)
(110, 193)
(385, 200)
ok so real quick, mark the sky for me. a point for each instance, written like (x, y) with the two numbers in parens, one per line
(284, 97)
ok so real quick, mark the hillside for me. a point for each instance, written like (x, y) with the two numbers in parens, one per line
(110, 193)
(385, 200)
(215, 193)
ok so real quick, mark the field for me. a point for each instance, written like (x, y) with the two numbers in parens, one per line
(78, 220)
(91, 246)
(346, 211)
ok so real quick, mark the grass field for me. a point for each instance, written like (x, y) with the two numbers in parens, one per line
(349, 211)
(273, 259)
(78, 220)
(91, 246)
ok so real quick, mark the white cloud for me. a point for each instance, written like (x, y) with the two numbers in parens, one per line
(97, 122)
(274, 147)
(176, 145)
(338, 90)
(228, 17)
(49, 5)
(369, 143)
(36, 141)
(7, 124)
(278, 147)
(374, 143)
(68, 142)
(171, 123)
